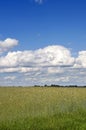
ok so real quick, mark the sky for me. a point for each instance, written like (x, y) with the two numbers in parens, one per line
(42, 42)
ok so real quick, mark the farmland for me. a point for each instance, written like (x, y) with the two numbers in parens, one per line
(42, 108)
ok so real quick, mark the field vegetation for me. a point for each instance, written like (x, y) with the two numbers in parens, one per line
(42, 108)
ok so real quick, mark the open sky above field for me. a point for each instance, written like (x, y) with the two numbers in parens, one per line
(42, 42)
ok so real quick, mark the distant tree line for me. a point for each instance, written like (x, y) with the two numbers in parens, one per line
(54, 85)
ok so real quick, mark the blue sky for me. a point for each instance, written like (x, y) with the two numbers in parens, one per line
(52, 25)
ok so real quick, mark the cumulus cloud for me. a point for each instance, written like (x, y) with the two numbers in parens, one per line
(81, 60)
(7, 44)
(55, 55)
(48, 56)
(51, 64)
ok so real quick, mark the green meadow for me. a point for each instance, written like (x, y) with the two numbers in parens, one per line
(42, 108)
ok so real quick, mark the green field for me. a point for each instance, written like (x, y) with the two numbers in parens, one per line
(42, 108)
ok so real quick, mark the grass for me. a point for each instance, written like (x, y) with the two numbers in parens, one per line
(42, 108)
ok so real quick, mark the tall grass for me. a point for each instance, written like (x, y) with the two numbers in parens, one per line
(42, 108)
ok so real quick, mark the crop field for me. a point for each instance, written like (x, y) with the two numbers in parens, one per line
(42, 108)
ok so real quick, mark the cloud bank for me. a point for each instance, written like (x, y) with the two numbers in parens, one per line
(52, 64)
(47, 57)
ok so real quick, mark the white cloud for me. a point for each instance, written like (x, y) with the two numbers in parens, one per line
(55, 70)
(50, 65)
(48, 56)
(55, 55)
(18, 69)
(10, 77)
(81, 60)
(9, 70)
(7, 44)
